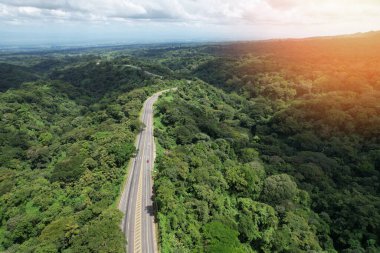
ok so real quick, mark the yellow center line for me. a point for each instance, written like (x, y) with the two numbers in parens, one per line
(137, 236)
(149, 123)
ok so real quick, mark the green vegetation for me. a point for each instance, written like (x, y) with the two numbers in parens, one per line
(308, 109)
(267, 146)
(212, 190)
(63, 154)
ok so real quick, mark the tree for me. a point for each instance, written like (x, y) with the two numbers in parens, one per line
(279, 188)
(220, 238)
(101, 235)
(257, 223)
(59, 233)
(68, 170)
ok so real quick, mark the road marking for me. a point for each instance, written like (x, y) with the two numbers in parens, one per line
(149, 121)
(137, 242)
(137, 235)
(138, 225)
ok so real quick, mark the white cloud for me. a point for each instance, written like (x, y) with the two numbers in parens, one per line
(207, 11)
(243, 18)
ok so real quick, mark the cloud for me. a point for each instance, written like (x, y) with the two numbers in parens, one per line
(224, 12)
(41, 4)
(284, 4)
(180, 20)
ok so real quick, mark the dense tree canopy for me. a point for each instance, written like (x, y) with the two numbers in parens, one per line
(310, 111)
(62, 160)
(270, 146)
(218, 182)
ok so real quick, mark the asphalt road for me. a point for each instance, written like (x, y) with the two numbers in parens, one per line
(136, 201)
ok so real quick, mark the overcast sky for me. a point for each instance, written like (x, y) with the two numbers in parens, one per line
(140, 21)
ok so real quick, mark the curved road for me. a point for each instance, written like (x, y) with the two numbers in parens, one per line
(136, 201)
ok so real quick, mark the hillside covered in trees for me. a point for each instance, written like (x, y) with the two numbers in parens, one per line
(268, 146)
(65, 140)
(297, 134)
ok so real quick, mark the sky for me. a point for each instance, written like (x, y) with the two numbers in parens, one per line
(65, 22)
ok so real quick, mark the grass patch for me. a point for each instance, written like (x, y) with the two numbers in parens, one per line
(168, 97)
(157, 123)
(159, 149)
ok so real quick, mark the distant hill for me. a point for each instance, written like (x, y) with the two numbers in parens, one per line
(13, 76)
(370, 34)
(362, 45)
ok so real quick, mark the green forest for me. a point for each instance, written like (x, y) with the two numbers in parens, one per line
(268, 146)
(66, 138)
